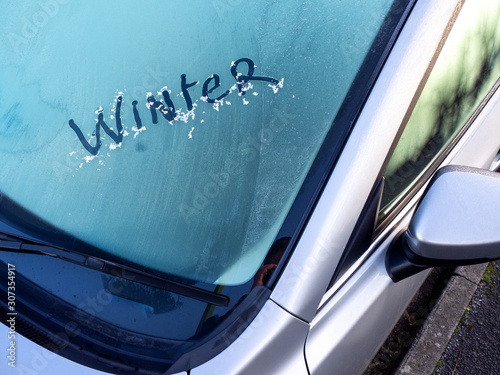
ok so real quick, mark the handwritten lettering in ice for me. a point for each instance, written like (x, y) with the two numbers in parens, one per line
(167, 107)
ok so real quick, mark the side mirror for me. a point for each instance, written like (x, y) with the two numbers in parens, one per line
(457, 222)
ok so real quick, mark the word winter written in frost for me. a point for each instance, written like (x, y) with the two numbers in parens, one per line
(167, 108)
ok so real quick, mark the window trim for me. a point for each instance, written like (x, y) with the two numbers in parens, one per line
(410, 196)
(407, 194)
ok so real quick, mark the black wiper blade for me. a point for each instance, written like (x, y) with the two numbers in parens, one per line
(29, 248)
(114, 269)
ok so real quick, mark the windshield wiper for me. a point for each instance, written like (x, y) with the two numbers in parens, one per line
(17, 245)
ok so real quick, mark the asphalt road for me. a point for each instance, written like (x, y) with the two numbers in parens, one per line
(474, 349)
(452, 327)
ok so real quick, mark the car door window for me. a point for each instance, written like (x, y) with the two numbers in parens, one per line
(465, 72)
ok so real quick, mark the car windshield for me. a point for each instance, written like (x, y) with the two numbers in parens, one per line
(176, 135)
(175, 138)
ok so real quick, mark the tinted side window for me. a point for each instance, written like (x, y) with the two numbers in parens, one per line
(466, 70)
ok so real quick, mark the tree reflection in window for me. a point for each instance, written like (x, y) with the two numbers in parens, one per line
(466, 70)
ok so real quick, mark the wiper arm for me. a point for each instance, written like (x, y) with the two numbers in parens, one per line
(114, 269)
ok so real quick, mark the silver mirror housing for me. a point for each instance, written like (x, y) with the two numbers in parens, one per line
(456, 223)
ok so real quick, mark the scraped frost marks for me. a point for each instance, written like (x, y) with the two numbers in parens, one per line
(277, 86)
(92, 142)
(165, 106)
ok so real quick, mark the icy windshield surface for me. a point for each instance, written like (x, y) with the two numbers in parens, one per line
(174, 135)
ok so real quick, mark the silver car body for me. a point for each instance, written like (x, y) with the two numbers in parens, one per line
(305, 328)
(341, 330)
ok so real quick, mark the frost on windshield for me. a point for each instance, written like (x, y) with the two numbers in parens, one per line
(165, 106)
(174, 136)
